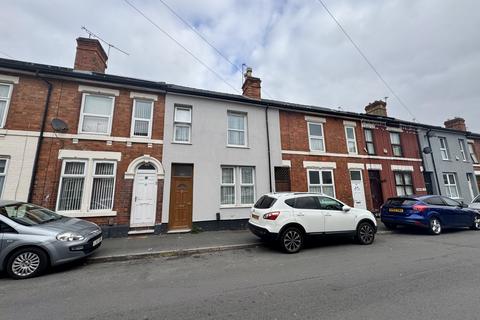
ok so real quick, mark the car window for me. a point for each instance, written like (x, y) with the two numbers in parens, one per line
(305, 203)
(265, 202)
(397, 202)
(451, 202)
(435, 201)
(5, 228)
(329, 204)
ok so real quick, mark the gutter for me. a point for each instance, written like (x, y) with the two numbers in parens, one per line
(433, 161)
(40, 138)
(268, 151)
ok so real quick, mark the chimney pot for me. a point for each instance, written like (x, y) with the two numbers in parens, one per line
(251, 86)
(377, 108)
(456, 123)
(90, 55)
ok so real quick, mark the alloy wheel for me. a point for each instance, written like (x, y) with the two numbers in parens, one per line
(435, 226)
(25, 264)
(292, 240)
(476, 222)
(366, 233)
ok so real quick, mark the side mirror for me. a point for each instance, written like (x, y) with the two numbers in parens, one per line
(346, 208)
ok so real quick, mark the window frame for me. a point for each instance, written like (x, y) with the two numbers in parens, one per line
(449, 185)
(60, 184)
(471, 151)
(231, 184)
(310, 136)
(237, 186)
(7, 100)
(354, 140)
(83, 114)
(321, 184)
(242, 184)
(94, 175)
(404, 185)
(245, 130)
(398, 145)
(367, 142)
(184, 124)
(444, 148)
(150, 121)
(4, 175)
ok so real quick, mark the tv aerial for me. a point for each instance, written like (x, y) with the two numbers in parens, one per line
(110, 46)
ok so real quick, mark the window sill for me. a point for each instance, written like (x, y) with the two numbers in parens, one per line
(239, 147)
(105, 134)
(318, 151)
(179, 142)
(235, 206)
(89, 214)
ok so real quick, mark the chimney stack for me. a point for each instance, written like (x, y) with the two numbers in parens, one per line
(377, 108)
(456, 123)
(251, 86)
(90, 56)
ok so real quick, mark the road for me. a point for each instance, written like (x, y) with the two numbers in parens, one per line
(405, 275)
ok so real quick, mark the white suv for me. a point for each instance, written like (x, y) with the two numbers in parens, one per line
(289, 217)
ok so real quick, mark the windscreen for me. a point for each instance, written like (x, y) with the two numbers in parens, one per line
(28, 214)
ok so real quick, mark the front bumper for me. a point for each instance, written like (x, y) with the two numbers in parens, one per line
(63, 252)
(262, 232)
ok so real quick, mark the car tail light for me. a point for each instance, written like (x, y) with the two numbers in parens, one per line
(419, 207)
(271, 215)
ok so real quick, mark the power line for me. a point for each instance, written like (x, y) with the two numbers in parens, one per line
(366, 59)
(91, 34)
(182, 46)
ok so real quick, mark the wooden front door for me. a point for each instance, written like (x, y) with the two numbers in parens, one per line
(181, 197)
(376, 189)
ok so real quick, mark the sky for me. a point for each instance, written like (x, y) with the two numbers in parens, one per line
(428, 51)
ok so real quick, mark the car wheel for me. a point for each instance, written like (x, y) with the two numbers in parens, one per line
(476, 223)
(26, 263)
(365, 233)
(390, 226)
(435, 226)
(291, 240)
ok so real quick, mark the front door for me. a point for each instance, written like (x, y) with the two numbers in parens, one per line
(358, 190)
(376, 189)
(144, 199)
(181, 197)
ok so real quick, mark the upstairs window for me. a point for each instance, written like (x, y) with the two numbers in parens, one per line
(461, 144)
(315, 137)
(182, 124)
(3, 173)
(396, 144)
(97, 113)
(443, 148)
(369, 141)
(237, 129)
(5, 93)
(471, 150)
(450, 182)
(403, 183)
(142, 118)
(351, 140)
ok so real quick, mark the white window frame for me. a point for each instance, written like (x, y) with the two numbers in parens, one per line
(93, 176)
(82, 114)
(150, 121)
(369, 142)
(354, 140)
(443, 149)
(461, 144)
(321, 184)
(403, 185)
(233, 184)
(7, 103)
(63, 175)
(451, 185)
(471, 151)
(184, 124)
(245, 130)
(4, 174)
(399, 144)
(243, 184)
(310, 136)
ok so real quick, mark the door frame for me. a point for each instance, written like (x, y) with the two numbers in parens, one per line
(132, 210)
(362, 180)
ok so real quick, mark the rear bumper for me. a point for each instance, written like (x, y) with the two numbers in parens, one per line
(262, 232)
(412, 220)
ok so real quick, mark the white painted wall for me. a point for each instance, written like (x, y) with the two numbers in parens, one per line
(208, 152)
(20, 151)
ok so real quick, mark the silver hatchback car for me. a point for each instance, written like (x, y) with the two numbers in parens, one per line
(33, 238)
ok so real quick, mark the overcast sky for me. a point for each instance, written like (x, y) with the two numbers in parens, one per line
(427, 50)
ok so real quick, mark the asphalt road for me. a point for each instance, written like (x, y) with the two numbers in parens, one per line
(406, 275)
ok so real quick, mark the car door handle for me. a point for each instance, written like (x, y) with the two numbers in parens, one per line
(300, 214)
(328, 215)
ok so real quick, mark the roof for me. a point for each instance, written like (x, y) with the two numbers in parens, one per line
(62, 72)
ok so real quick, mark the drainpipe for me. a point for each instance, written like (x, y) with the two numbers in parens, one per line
(268, 151)
(433, 162)
(40, 138)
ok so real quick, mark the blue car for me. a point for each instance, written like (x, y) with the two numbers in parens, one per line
(432, 212)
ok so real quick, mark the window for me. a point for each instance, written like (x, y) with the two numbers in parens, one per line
(461, 144)
(330, 204)
(96, 116)
(235, 191)
(182, 124)
(81, 190)
(369, 141)
(321, 181)
(396, 145)
(306, 203)
(351, 140)
(450, 202)
(5, 93)
(443, 148)
(142, 118)
(403, 183)
(265, 202)
(471, 150)
(315, 137)
(237, 129)
(3, 173)
(435, 201)
(450, 183)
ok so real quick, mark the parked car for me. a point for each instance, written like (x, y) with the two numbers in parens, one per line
(434, 213)
(33, 238)
(475, 203)
(289, 217)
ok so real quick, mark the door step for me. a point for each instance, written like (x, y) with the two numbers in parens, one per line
(134, 231)
(179, 231)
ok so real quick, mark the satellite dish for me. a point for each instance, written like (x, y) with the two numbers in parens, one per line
(59, 125)
(427, 150)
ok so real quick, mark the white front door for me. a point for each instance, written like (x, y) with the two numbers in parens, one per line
(358, 191)
(144, 200)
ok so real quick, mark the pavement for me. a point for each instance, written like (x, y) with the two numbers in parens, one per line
(176, 244)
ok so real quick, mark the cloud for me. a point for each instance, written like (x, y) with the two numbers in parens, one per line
(426, 50)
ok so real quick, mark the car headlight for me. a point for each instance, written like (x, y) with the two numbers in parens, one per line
(69, 236)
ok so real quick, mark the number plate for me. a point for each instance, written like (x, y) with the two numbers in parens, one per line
(97, 242)
(395, 210)
(254, 216)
